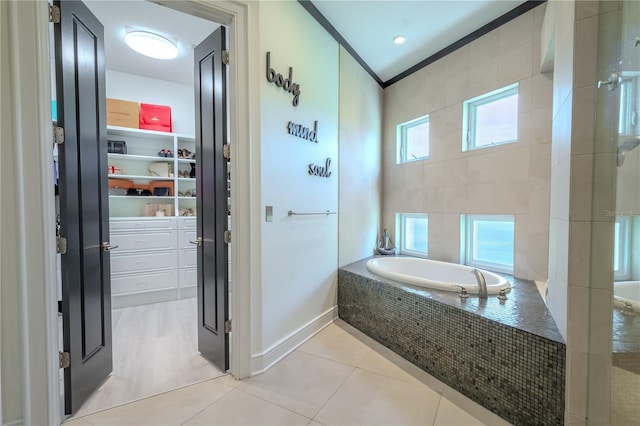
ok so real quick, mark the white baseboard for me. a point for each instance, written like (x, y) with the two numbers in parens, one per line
(14, 423)
(261, 362)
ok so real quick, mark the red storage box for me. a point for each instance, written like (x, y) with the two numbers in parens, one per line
(155, 117)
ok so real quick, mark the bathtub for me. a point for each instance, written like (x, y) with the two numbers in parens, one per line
(434, 274)
(626, 291)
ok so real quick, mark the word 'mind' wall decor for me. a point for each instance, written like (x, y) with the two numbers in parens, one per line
(302, 132)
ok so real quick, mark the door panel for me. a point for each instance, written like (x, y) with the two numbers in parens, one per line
(86, 292)
(211, 183)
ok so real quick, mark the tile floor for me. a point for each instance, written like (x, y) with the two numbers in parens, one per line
(155, 350)
(339, 377)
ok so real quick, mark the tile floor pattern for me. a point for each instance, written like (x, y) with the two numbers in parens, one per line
(339, 377)
(155, 350)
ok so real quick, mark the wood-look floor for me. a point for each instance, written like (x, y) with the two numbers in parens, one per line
(154, 351)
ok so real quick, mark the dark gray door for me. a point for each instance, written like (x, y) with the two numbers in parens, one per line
(212, 212)
(84, 215)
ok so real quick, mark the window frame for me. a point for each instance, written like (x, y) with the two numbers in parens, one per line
(624, 249)
(467, 247)
(401, 230)
(469, 108)
(401, 139)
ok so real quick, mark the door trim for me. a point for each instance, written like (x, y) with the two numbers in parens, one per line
(241, 19)
(27, 113)
(30, 32)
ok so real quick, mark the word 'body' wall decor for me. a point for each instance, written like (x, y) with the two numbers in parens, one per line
(287, 84)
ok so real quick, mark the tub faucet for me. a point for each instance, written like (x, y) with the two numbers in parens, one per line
(482, 284)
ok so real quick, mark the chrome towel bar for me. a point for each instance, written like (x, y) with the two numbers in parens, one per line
(292, 213)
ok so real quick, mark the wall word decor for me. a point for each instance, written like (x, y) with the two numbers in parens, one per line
(287, 84)
(300, 131)
(322, 171)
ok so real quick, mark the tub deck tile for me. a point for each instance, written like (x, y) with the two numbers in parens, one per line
(488, 351)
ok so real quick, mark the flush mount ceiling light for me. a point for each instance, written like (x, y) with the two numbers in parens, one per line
(399, 39)
(152, 45)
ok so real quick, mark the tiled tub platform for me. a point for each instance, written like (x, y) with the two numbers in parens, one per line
(509, 357)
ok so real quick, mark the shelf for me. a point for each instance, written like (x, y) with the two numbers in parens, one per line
(129, 131)
(143, 197)
(143, 147)
(139, 177)
(134, 157)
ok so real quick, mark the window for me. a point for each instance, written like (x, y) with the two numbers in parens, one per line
(628, 98)
(621, 245)
(489, 242)
(413, 140)
(491, 119)
(413, 229)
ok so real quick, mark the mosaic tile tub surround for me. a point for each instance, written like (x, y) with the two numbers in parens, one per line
(508, 357)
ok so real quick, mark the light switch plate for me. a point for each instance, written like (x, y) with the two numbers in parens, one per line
(268, 213)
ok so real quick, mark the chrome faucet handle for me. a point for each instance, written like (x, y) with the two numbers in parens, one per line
(502, 294)
(463, 292)
(628, 309)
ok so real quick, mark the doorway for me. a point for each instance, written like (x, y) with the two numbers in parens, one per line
(155, 264)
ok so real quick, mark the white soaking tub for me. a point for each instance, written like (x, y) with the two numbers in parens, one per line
(434, 274)
(627, 291)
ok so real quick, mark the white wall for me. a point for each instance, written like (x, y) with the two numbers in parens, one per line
(135, 88)
(361, 104)
(299, 254)
(512, 179)
(11, 365)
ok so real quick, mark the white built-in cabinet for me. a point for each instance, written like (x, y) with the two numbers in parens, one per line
(155, 260)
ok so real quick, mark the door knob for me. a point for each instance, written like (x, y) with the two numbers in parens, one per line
(612, 82)
(197, 241)
(108, 247)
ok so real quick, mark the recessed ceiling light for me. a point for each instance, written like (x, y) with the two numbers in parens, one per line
(151, 45)
(399, 39)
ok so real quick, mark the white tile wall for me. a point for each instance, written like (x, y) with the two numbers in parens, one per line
(361, 106)
(508, 179)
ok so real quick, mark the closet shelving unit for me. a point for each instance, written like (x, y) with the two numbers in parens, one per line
(154, 261)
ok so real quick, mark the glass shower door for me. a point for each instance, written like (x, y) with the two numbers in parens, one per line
(625, 375)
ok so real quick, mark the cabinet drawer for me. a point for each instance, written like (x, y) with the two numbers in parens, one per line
(188, 258)
(141, 225)
(188, 277)
(187, 223)
(184, 236)
(144, 282)
(141, 262)
(145, 241)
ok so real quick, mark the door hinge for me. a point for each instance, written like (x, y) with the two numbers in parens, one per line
(226, 151)
(58, 135)
(227, 237)
(64, 359)
(61, 245)
(54, 14)
(227, 326)
(225, 57)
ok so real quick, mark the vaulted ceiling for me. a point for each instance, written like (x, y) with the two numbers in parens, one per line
(368, 26)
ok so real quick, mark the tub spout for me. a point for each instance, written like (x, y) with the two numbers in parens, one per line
(482, 283)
